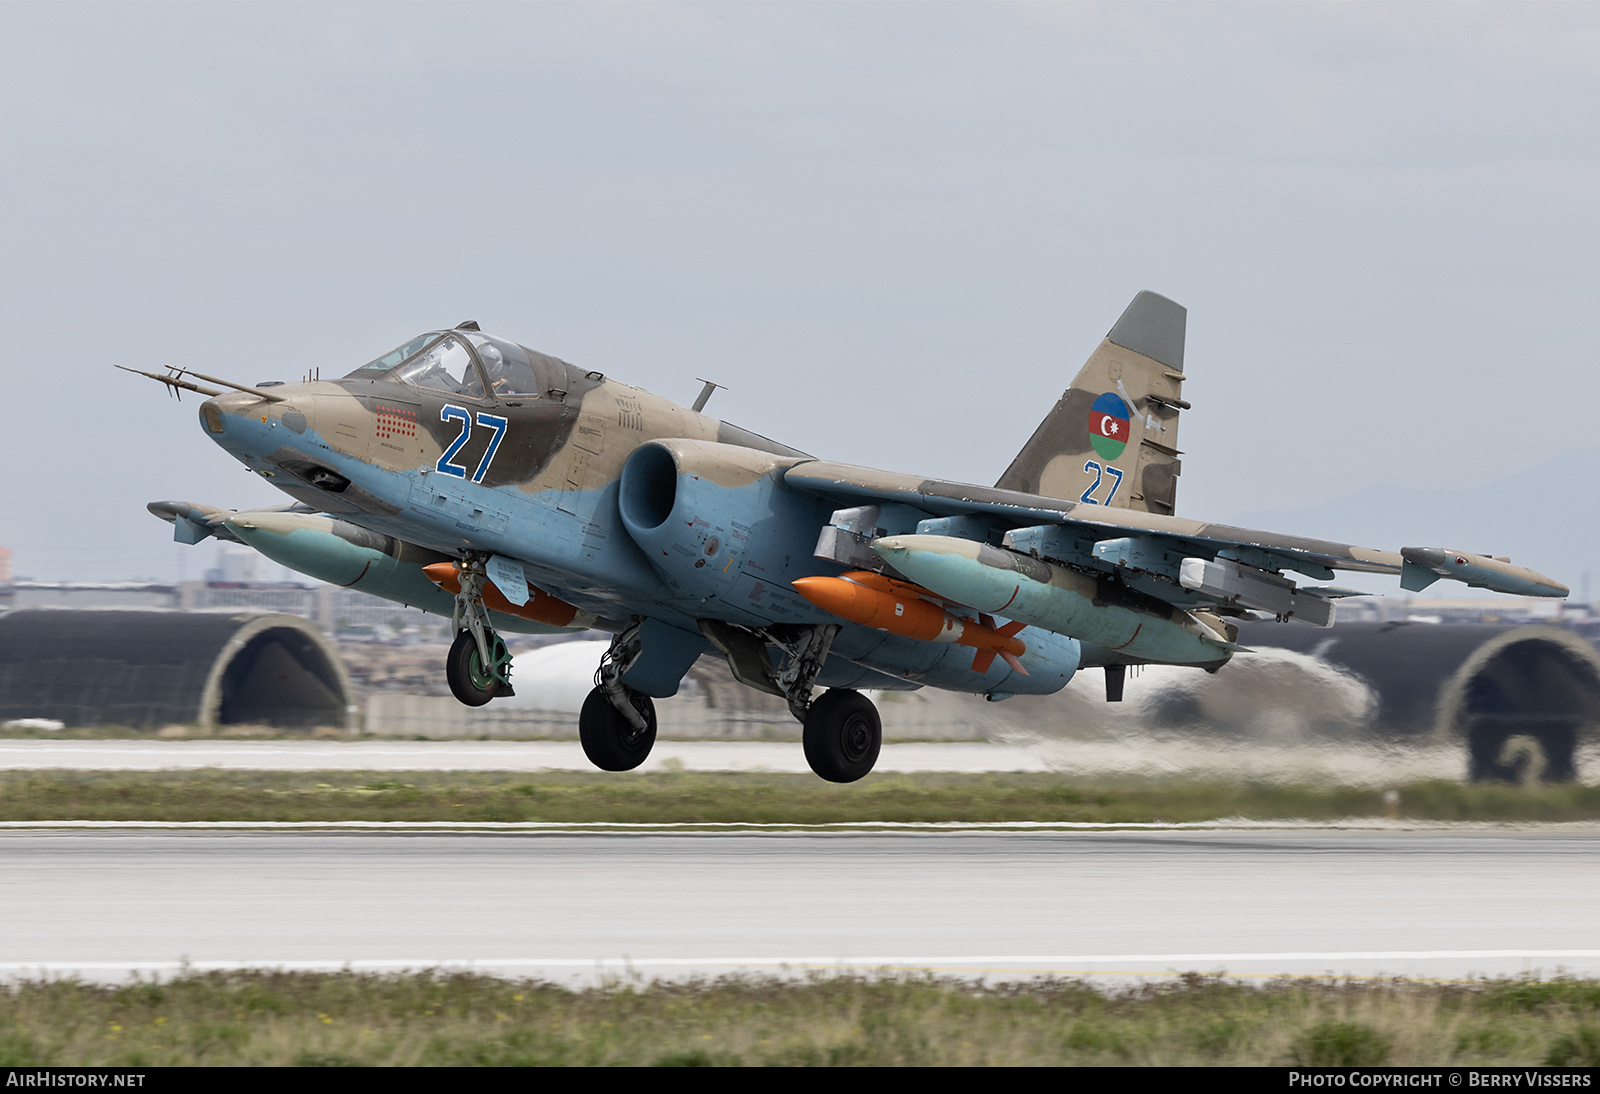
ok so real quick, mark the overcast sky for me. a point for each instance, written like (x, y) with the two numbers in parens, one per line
(894, 231)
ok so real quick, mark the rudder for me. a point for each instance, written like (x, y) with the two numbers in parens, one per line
(1112, 437)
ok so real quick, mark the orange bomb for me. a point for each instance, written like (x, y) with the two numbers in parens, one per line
(901, 608)
(541, 606)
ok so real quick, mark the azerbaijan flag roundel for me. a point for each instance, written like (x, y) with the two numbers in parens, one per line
(1108, 425)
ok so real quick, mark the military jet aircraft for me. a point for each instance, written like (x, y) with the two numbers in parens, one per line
(511, 491)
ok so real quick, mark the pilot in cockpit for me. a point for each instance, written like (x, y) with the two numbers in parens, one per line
(447, 366)
(494, 363)
(507, 366)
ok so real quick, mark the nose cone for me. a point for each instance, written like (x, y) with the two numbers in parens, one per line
(222, 415)
(252, 426)
(211, 418)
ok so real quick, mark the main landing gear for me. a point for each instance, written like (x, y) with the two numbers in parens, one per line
(479, 665)
(617, 725)
(610, 738)
(843, 733)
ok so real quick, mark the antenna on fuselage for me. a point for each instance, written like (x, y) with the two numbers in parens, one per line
(705, 393)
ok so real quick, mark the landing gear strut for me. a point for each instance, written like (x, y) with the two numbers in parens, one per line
(479, 665)
(617, 725)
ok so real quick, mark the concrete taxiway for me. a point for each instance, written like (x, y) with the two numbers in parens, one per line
(576, 908)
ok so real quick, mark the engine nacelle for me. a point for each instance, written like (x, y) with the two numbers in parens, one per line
(716, 521)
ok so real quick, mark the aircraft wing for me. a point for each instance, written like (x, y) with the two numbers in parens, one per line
(1155, 550)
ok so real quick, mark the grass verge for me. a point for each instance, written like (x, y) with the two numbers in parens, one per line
(747, 798)
(258, 1017)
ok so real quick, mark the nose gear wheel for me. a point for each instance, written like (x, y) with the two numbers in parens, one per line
(479, 665)
(470, 681)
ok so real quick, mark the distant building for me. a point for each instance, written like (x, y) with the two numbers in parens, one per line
(90, 594)
(236, 565)
(1494, 686)
(150, 669)
(328, 606)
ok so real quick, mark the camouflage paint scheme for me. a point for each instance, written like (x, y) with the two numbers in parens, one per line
(623, 504)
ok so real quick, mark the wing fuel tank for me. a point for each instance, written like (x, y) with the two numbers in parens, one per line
(1055, 598)
(352, 557)
(340, 553)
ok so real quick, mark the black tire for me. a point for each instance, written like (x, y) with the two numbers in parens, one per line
(611, 742)
(843, 735)
(463, 668)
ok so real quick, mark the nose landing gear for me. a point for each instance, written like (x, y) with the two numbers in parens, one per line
(479, 665)
(470, 680)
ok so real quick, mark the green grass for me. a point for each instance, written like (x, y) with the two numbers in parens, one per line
(337, 1019)
(748, 798)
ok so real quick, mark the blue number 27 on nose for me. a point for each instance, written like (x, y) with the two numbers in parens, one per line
(490, 421)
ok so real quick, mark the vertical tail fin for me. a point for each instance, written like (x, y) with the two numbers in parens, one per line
(1112, 437)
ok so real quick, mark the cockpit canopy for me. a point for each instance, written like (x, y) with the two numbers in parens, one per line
(461, 362)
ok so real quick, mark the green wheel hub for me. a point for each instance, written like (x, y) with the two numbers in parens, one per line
(498, 673)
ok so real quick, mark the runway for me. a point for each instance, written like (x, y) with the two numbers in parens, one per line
(577, 908)
(396, 755)
(1346, 764)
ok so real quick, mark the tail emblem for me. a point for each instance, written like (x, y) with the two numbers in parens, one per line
(1108, 425)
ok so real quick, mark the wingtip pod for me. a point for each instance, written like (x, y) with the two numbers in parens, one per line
(1422, 566)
